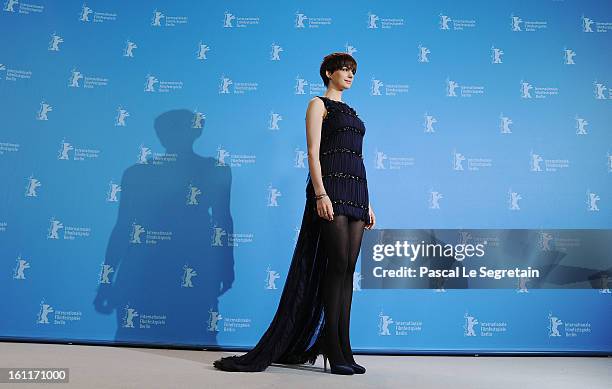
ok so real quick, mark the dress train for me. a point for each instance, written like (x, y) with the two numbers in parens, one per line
(295, 334)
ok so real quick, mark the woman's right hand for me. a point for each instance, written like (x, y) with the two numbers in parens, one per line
(325, 208)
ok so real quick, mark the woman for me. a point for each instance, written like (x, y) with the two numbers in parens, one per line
(313, 316)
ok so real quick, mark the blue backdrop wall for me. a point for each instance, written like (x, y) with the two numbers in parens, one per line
(154, 154)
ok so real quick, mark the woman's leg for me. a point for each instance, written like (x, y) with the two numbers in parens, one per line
(355, 229)
(335, 236)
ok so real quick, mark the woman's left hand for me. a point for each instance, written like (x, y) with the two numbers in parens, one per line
(370, 225)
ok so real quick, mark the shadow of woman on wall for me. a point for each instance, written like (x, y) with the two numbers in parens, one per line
(168, 258)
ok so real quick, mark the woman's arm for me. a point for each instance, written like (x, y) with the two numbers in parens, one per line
(314, 122)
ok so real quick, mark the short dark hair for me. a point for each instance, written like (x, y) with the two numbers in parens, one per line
(335, 61)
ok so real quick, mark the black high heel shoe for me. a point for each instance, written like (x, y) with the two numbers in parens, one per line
(341, 368)
(358, 369)
(337, 369)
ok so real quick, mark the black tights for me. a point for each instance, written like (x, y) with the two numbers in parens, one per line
(342, 239)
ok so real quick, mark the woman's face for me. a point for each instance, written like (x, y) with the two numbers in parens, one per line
(342, 78)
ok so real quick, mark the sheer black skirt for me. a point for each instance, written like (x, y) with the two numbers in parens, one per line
(295, 334)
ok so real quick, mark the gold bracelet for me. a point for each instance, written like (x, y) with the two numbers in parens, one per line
(318, 197)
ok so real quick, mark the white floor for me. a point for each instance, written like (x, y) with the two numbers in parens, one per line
(121, 367)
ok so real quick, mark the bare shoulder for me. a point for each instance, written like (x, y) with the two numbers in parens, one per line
(315, 108)
(316, 102)
(316, 105)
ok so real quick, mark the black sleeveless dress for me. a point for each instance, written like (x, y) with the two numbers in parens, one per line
(342, 167)
(296, 333)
